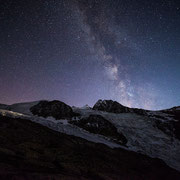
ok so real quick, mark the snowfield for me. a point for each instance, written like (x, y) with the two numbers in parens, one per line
(142, 134)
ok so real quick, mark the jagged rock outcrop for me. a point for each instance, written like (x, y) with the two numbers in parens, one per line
(110, 106)
(115, 107)
(98, 125)
(56, 109)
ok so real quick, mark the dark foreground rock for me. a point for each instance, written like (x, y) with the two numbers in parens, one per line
(98, 125)
(56, 109)
(30, 151)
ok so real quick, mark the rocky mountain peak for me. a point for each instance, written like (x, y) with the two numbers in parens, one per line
(110, 106)
(56, 109)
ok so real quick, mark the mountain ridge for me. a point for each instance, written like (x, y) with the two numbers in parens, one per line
(153, 133)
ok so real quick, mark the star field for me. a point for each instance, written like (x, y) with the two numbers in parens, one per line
(81, 51)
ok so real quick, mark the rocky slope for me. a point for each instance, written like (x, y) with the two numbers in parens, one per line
(31, 151)
(152, 133)
(96, 124)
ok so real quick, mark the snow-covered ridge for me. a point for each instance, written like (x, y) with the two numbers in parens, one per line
(20, 107)
(141, 131)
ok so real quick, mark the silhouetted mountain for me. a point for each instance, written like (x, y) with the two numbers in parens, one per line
(56, 109)
(115, 107)
(110, 106)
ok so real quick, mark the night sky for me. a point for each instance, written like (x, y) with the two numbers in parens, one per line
(79, 51)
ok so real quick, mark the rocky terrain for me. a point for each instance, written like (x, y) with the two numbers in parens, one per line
(56, 109)
(110, 106)
(31, 151)
(51, 140)
(96, 124)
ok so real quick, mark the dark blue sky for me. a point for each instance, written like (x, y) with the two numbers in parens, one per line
(81, 51)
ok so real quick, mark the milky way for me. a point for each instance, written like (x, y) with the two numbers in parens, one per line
(81, 51)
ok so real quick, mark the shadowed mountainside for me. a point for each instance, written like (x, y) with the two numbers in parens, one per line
(31, 151)
(98, 125)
